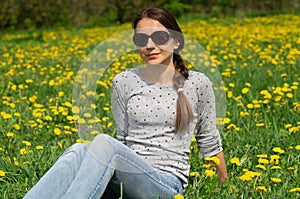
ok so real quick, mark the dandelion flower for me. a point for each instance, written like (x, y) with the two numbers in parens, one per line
(194, 173)
(213, 159)
(2, 173)
(261, 167)
(262, 156)
(75, 109)
(276, 180)
(57, 131)
(263, 161)
(39, 147)
(209, 172)
(297, 189)
(278, 150)
(10, 134)
(275, 167)
(261, 188)
(245, 177)
(235, 160)
(291, 168)
(23, 151)
(252, 174)
(26, 143)
(179, 196)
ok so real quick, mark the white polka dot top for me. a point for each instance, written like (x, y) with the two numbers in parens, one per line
(145, 112)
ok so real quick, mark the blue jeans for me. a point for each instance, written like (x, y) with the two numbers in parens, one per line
(99, 170)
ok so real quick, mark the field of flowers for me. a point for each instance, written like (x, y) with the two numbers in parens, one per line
(258, 59)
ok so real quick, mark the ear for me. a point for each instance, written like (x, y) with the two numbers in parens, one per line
(177, 44)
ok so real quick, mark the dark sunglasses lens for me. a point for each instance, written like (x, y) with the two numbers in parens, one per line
(140, 39)
(160, 37)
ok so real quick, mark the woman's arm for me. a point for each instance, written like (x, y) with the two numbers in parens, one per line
(222, 171)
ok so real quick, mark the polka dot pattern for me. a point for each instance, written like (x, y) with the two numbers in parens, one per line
(145, 116)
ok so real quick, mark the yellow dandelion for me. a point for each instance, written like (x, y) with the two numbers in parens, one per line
(106, 108)
(263, 161)
(276, 180)
(213, 159)
(61, 93)
(275, 167)
(26, 143)
(252, 174)
(261, 167)
(81, 121)
(262, 156)
(290, 95)
(297, 189)
(297, 147)
(178, 196)
(79, 141)
(250, 106)
(259, 124)
(2, 173)
(51, 82)
(95, 132)
(291, 168)
(194, 173)
(57, 131)
(75, 109)
(39, 147)
(235, 160)
(278, 150)
(245, 90)
(229, 94)
(23, 151)
(245, 177)
(261, 188)
(10, 134)
(110, 124)
(209, 172)
(244, 114)
(87, 115)
(207, 166)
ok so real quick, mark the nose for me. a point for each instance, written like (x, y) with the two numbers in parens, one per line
(150, 43)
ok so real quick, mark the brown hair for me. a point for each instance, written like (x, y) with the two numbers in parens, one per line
(184, 113)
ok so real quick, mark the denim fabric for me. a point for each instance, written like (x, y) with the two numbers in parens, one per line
(98, 170)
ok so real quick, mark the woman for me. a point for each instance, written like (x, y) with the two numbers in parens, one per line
(157, 109)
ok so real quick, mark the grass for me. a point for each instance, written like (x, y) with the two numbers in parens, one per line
(258, 60)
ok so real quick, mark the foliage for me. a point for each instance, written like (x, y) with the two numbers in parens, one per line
(258, 59)
(29, 14)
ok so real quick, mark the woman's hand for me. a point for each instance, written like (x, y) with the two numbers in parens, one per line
(221, 168)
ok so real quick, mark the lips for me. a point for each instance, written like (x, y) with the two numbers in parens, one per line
(152, 55)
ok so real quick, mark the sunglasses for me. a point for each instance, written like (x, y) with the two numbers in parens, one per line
(158, 37)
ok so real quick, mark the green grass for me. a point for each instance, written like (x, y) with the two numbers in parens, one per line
(261, 54)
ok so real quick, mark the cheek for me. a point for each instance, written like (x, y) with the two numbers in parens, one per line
(142, 52)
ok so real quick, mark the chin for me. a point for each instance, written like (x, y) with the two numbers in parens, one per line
(153, 62)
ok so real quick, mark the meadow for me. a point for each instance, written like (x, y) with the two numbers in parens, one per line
(259, 62)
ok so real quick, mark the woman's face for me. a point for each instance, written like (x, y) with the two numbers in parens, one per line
(152, 51)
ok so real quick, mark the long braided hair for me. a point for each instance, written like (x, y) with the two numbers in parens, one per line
(184, 113)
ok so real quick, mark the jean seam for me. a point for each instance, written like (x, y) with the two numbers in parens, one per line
(100, 180)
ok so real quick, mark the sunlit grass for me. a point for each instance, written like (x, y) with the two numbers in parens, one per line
(258, 59)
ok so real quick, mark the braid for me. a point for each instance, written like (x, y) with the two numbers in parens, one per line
(184, 112)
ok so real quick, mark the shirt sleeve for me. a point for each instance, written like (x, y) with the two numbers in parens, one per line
(119, 110)
(207, 135)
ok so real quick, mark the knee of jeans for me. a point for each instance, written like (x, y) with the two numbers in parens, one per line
(77, 147)
(102, 143)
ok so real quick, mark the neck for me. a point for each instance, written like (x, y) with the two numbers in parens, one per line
(158, 74)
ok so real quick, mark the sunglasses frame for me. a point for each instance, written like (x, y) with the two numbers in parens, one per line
(152, 36)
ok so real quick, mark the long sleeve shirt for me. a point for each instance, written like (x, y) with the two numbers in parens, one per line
(145, 115)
